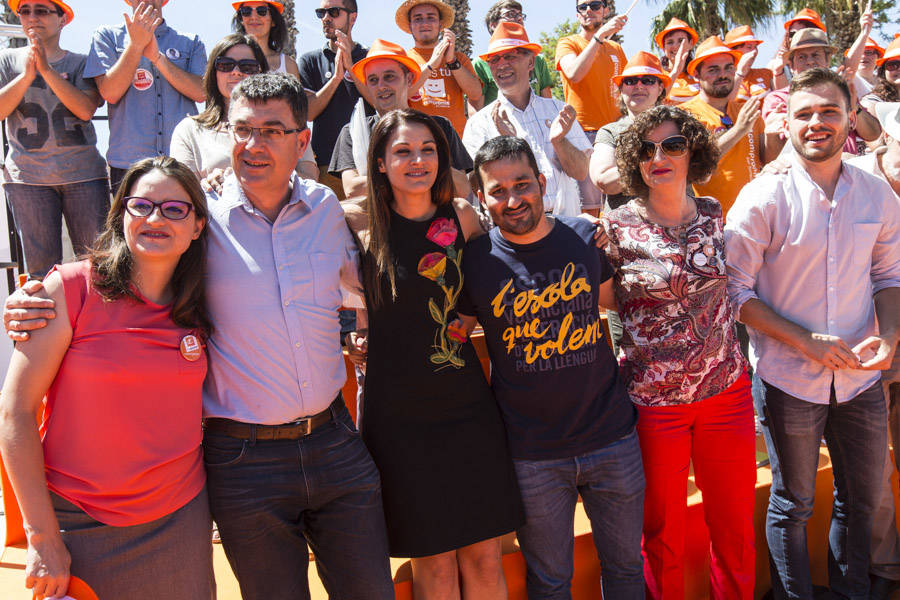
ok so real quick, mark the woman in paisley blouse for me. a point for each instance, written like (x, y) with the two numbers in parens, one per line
(680, 355)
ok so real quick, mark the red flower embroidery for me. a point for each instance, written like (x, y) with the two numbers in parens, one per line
(442, 232)
(433, 265)
(456, 331)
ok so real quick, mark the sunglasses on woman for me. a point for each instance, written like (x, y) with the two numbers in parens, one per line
(174, 210)
(674, 145)
(647, 80)
(893, 65)
(334, 12)
(247, 66)
(261, 11)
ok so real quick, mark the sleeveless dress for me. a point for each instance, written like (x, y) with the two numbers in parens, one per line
(430, 420)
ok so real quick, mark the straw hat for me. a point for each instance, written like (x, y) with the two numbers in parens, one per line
(810, 38)
(276, 3)
(807, 14)
(643, 63)
(891, 52)
(676, 25)
(67, 10)
(506, 37)
(711, 46)
(870, 45)
(741, 35)
(384, 49)
(446, 12)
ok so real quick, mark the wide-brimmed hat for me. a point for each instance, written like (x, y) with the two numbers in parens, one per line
(741, 35)
(709, 47)
(807, 14)
(279, 6)
(870, 45)
(385, 49)
(70, 14)
(810, 38)
(676, 25)
(643, 63)
(508, 36)
(891, 52)
(888, 114)
(445, 10)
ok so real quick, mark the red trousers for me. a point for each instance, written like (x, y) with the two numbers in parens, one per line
(717, 435)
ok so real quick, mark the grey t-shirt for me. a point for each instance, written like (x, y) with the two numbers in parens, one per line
(609, 135)
(48, 145)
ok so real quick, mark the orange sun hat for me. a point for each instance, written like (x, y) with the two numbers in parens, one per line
(711, 46)
(67, 10)
(279, 6)
(385, 49)
(807, 14)
(870, 45)
(741, 35)
(506, 37)
(676, 25)
(643, 63)
(891, 52)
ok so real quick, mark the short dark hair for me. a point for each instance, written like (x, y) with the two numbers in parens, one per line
(277, 34)
(350, 5)
(499, 148)
(493, 14)
(274, 86)
(818, 76)
(704, 153)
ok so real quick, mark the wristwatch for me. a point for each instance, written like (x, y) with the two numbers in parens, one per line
(453, 66)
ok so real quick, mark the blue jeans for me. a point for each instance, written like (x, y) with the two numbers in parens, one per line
(38, 210)
(272, 498)
(611, 484)
(856, 435)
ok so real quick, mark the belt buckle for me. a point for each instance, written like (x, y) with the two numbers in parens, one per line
(305, 426)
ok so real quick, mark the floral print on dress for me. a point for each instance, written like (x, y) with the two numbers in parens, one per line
(680, 344)
(449, 336)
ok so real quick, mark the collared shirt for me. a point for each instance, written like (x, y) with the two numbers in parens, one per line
(274, 289)
(142, 121)
(817, 263)
(316, 68)
(533, 125)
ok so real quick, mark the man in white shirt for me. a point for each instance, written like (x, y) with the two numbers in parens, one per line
(813, 259)
(549, 126)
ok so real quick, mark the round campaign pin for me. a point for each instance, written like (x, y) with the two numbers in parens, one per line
(143, 79)
(191, 348)
(173, 54)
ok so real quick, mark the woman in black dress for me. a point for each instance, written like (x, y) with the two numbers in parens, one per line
(430, 420)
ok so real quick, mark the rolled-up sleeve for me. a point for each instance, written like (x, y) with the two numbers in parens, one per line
(747, 235)
(885, 271)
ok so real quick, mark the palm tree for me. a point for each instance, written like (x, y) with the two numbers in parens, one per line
(710, 17)
(461, 26)
(291, 45)
(842, 16)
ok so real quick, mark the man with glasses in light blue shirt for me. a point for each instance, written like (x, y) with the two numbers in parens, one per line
(151, 76)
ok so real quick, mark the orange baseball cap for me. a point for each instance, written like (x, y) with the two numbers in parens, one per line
(870, 45)
(384, 49)
(278, 5)
(711, 46)
(807, 14)
(891, 52)
(643, 63)
(741, 35)
(508, 36)
(67, 10)
(675, 25)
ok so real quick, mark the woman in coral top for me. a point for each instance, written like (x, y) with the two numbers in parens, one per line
(111, 485)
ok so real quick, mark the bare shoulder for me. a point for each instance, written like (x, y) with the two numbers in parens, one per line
(468, 218)
(291, 66)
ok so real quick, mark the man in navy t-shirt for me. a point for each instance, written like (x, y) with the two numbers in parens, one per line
(534, 283)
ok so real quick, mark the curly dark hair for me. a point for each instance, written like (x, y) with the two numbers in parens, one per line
(884, 89)
(702, 146)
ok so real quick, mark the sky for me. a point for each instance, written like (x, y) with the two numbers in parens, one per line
(211, 20)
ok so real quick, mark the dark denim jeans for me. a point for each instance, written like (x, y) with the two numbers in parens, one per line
(272, 498)
(856, 434)
(38, 211)
(611, 483)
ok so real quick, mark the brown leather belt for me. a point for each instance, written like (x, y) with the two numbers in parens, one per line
(286, 431)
